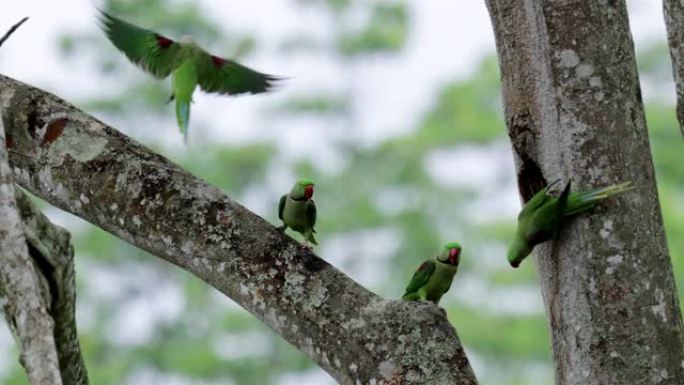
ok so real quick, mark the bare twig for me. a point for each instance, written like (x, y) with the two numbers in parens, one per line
(11, 30)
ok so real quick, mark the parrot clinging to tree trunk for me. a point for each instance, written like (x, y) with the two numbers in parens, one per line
(187, 62)
(298, 211)
(543, 215)
(433, 278)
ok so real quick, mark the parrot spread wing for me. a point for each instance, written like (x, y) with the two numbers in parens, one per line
(311, 214)
(281, 206)
(153, 52)
(224, 76)
(421, 276)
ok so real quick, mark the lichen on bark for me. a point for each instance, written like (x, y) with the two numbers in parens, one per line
(573, 110)
(144, 199)
(24, 303)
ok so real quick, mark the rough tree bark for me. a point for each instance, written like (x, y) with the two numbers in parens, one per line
(37, 283)
(573, 109)
(51, 251)
(23, 304)
(673, 10)
(91, 170)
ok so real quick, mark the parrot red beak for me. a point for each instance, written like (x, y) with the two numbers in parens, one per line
(453, 256)
(308, 191)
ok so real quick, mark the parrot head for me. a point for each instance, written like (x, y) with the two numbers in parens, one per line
(303, 189)
(451, 254)
(518, 251)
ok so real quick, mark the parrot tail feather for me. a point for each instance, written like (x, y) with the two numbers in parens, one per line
(183, 117)
(586, 200)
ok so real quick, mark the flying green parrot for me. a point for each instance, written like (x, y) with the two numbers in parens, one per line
(298, 211)
(543, 215)
(187, 62)
(433, 278)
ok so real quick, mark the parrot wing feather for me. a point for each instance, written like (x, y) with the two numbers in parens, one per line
(311, 214)
(224, 76)
(281, 206)
(539, 199)
(151, 51)
(421, 276)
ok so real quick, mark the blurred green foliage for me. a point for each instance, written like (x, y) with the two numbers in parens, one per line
(381, 187)
(384, 32)
(316, 104)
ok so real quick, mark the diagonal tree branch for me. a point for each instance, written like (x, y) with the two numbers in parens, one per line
(79, 164)
(21, 292)
(573, 109)
(673, 10)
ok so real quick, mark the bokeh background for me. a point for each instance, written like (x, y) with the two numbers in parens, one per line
(393, 107)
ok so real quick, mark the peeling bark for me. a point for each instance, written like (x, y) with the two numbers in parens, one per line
(673, 11)
(91, 170)
(573, 110)
(50, 249)
(23, 304)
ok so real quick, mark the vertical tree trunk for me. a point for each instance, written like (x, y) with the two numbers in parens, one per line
(573, 110)
(49, 247)
(21, 297)
(673, 11)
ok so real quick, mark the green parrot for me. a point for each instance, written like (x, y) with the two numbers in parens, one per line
(543, 215)
(298, 211)
(187, 62)
(433, 278)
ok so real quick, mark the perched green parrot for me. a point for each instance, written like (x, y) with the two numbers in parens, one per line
(433, 278)
(543, 215)
(298, 211)
(187, 62)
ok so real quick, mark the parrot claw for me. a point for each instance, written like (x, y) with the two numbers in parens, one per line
(305, 246)
(443, 312)
(281, 228)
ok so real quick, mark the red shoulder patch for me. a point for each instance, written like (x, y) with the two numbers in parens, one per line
(163, 41)
(424, 266)
(218, 61)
